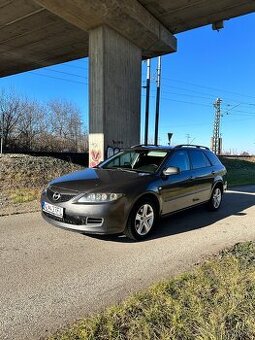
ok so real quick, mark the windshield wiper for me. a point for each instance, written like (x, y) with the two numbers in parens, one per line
(126, 169)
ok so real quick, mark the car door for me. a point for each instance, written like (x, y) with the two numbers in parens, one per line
(176, 189)
(202, 176)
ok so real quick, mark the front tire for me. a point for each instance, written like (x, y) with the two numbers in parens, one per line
(141, 220)
(216, 199)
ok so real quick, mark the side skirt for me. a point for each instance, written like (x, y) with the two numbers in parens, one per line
(185, 209)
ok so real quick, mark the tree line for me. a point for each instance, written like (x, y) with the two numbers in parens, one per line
(29, 125)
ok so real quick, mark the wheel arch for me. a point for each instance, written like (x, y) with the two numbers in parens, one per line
(130, 229)
(218, 183)
(147, 195)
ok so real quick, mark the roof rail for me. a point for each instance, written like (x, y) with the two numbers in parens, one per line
(192, 146)
(136, 146)
(141, 145)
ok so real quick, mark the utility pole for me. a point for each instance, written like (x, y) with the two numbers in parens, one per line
(2, 135)
(216, 139)
(147, 103)
(157, 101)
(188, 138)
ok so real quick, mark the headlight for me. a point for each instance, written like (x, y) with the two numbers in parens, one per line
(99, 197)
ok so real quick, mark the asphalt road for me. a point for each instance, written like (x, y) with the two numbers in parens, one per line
(49, 276)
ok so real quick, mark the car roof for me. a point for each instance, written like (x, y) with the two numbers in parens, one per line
(167, 148)
(152, 147)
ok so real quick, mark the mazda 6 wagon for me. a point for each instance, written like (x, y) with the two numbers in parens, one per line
(131, 190)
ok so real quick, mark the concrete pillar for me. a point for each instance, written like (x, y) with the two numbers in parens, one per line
(114, 91)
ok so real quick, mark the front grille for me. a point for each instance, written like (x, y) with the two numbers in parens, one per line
(76, 220)
(64, 197)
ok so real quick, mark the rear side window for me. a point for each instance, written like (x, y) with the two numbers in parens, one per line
(179, 159)
(198, 159)
(212, 157)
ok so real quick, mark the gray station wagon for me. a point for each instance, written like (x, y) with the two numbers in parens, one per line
(130, 191)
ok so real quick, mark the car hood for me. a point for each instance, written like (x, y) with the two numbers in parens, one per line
(97, 179)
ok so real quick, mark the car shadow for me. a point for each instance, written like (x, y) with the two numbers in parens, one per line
(234, 203)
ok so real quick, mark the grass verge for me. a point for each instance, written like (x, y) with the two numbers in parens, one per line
(240, 172)
(214, 301)
(24, 195)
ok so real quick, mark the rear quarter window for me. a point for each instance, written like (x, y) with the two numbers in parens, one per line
(198, 159)
(212, 157)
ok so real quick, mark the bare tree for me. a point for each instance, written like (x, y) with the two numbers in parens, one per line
(31, 125)
(10, 110)
(66, 124)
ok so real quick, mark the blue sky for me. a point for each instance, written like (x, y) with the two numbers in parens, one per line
(208, 64)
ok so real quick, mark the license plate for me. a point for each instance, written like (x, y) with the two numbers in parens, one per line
(52, 209)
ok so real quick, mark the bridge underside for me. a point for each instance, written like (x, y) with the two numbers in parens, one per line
(116, 35)
(35, 34)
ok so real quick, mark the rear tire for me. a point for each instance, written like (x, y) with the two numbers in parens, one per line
(141, 220)
(216, 199)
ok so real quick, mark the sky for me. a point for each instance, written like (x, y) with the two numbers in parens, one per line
(208, 65)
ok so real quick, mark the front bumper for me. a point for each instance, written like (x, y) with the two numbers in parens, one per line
(100, 218)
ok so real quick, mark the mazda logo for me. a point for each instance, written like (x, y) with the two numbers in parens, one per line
(56, 196)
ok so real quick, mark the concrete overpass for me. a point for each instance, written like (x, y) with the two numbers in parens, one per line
(116, 35)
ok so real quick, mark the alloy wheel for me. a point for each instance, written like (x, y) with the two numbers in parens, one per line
(216, 199)
(144, 219)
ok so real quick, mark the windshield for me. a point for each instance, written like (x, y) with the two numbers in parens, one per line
(136, 160)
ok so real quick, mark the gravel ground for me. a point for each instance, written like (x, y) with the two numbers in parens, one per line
(10, 208)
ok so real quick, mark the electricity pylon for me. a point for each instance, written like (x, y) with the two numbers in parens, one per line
(216, 139)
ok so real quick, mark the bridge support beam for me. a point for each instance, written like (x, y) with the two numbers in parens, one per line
(114, 91)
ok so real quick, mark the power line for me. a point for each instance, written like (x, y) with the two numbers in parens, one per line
(242, 114)
(199, 124)
(226, 110)
(185, 102)
(66, 73)
(58, 78)
(180, 101)
(165, 91)
(76, 67)
(212, 96)
(186, 125)
(210, 88)
(187, 95)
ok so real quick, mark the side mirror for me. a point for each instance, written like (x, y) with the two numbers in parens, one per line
(171, 171)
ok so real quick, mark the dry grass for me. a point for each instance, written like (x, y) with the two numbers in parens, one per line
(216, 301)
(22, 178)
(24, 195)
